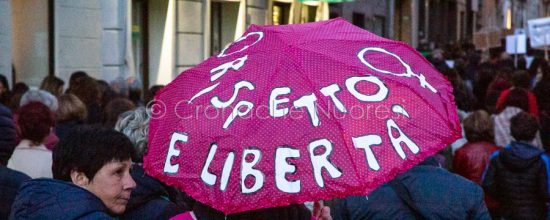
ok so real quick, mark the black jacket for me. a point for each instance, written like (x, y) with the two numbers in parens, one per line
(517, 178)
(7, 135)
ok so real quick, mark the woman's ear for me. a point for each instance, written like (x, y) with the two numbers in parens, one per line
(79, 178)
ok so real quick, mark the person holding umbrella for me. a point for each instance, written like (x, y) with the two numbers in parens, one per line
(290, 114)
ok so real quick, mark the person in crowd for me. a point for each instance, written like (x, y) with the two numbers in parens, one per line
(423, 192)
(483, 78)
(148, 198)
(520, 79)
(107, 93)
(517, 175)
(460, 93)
(70, 114)
(8, 139)
(515, 103)
(75, 77)
(4, 90)
(19, 89)
(151, 93)
(47, 99)
(91, 170)
(31, 156)
(87, 90)
(114, 109)
(500, 83)
(542, 91)
(10, 180)
(53, 85)
(471, 160)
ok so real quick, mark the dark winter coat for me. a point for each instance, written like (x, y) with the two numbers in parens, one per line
(55, 199)
(437, 193)
(150, 199)
(8, 135)
(62, 129)
(10, 181)
(517, 177)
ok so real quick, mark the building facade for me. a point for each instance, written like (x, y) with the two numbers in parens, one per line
(151, 41)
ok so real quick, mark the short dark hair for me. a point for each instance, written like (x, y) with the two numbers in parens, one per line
(524, 126)
(517, 98)
(521, 79)
(87, 150)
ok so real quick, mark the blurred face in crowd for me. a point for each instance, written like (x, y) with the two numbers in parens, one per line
(113, 184)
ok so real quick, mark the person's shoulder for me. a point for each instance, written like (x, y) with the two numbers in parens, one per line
(13, 174)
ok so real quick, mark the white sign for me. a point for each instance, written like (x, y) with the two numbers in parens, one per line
(539, 32)
(516, 44)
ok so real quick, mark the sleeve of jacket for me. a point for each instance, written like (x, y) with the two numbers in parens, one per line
(488, 178)
(479, 210)
(544, 177)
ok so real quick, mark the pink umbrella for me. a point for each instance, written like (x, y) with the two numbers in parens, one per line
(288, 114)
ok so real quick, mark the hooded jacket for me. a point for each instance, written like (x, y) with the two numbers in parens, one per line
(517, 177)
(437, 193)
(55, 199)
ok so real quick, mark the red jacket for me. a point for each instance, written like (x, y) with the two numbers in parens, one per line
(531, 99)
(470, 162)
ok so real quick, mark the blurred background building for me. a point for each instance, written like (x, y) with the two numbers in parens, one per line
(154, 40)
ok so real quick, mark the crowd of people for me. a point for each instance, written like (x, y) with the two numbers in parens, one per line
(77, 153)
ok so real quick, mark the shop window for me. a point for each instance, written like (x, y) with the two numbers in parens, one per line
(308, 13)
(281, 13)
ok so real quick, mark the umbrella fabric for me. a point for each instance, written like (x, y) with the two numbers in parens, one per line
(288, 114)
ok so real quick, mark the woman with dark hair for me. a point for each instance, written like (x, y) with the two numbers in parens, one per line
(31, 155)
(53, 85)
(76, 76)
(87, 90)
(91, 170)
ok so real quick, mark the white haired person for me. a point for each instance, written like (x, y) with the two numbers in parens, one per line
(150, 199)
